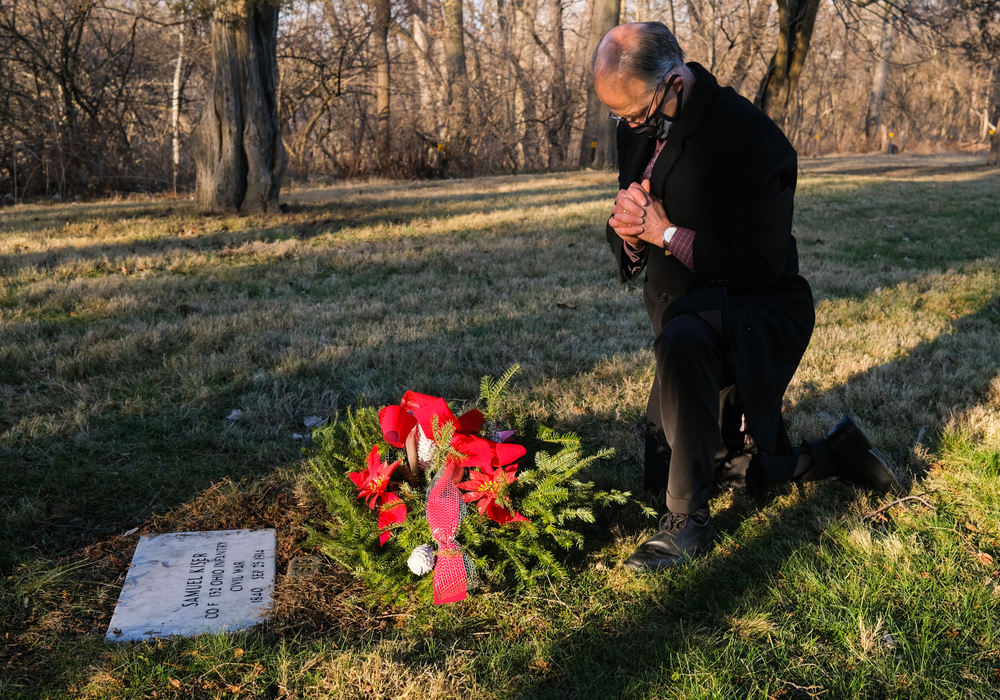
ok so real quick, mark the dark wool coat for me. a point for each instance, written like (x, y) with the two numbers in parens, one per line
(728, 173)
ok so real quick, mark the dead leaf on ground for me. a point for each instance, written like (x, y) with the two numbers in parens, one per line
(985, 558)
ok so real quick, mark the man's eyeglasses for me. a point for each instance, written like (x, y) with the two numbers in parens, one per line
(645, 125)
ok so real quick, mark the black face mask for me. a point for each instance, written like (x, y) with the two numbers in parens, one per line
(659, 124)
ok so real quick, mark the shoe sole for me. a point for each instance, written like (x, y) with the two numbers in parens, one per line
(848, 431)
(895, 484)
(666, 562)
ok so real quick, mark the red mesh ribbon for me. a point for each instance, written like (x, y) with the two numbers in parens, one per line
(444, 513)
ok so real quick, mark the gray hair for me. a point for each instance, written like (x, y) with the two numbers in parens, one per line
(655, 56)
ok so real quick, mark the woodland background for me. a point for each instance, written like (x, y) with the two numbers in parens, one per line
(102, 96)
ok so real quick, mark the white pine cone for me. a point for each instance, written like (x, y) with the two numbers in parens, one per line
(421, 560)
(426, 449)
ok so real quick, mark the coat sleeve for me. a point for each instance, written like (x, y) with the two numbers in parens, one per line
(750, 248)
(627, 269)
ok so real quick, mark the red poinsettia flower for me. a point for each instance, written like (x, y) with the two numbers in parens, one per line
(485, 485)
(424, 408)
(391, 510)
(502, 515)
(480, 452)
(396, 424)
(373, 481)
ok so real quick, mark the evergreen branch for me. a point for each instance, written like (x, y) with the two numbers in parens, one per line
(492, 392)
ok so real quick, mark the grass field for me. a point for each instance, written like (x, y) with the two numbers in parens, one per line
(131, 329)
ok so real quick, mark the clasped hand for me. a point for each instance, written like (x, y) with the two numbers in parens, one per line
(638, 217)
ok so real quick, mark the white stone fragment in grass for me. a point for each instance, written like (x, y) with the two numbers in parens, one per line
(313, 421)
(188, 583)
(298, 436)
(889, 641)
(235, 414)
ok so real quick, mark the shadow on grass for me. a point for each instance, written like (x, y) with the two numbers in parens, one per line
(34, 216)
(628, 654)
(134, 462)
(146, 441)
(304, 222)
(896, 165)
(636, 654)
(153, 443)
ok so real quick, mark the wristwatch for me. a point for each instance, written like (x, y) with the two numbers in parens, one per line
(668, 234)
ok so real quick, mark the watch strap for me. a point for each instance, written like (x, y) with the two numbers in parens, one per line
(668, 234)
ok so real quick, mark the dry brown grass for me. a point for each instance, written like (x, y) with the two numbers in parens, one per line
(130, 330)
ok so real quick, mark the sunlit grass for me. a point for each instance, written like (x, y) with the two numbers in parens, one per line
(130, 330)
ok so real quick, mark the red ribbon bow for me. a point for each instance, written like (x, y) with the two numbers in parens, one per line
(444, 513)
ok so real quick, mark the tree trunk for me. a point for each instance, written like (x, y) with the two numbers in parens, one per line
(238, 151)
(796, 19)
(383, 143)
(873, 119)
(558, 129)
(993, 158)
(526, 100)
(456, 150)
(597, 147)
(428, 77)
(175, 105)
(713, 29)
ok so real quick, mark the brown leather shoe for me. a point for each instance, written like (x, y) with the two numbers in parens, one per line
(857, 461)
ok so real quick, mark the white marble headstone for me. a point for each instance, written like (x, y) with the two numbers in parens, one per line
(187, 583)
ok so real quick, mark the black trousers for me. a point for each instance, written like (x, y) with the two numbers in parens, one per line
(694, 436)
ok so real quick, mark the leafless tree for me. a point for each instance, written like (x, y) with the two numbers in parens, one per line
(597, 145)
(82, 97)
(880, 76)
(238, 149)
(106, 95)
(983, 45)
(458, 80)
(380, 36)
(796, 20)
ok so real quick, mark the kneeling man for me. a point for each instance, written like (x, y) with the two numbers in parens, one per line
(705, 207)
